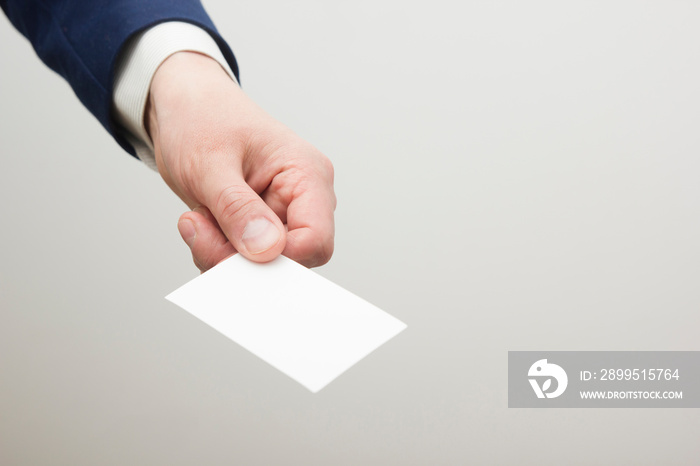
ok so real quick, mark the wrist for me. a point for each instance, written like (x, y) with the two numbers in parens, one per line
(181, 77)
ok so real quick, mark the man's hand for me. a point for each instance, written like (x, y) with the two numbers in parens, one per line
(253, 185)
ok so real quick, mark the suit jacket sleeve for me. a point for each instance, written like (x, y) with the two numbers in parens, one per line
(81, 40)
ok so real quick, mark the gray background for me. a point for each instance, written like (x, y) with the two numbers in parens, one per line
(511, 176)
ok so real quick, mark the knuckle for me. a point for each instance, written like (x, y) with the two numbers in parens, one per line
(234, 202)
(328, 167)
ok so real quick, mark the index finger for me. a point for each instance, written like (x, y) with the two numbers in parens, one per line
(311, 225)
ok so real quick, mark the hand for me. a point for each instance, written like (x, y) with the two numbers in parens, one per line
(253, 185)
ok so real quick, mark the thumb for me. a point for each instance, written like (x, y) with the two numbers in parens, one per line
(249, 224)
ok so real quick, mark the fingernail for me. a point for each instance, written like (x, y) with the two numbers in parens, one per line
(260, 235)
(187, 231)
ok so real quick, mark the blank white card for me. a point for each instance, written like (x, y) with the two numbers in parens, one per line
(299, 322)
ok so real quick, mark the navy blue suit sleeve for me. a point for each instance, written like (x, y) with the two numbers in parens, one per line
(81, 40)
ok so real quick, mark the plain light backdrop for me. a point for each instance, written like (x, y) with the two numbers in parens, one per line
(510, 176)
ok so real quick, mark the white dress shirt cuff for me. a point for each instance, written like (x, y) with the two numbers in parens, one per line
(142, 56)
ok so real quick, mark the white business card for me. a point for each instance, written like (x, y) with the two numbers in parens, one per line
(294, 319)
